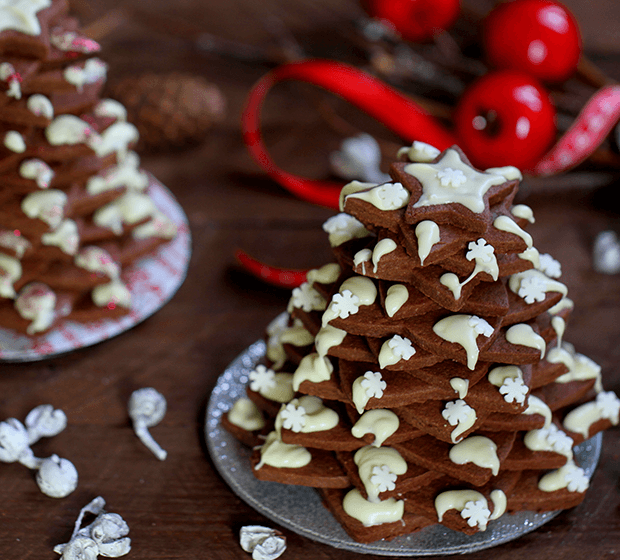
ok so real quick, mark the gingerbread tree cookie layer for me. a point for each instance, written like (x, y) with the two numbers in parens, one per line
(423, 378)
(75, 208)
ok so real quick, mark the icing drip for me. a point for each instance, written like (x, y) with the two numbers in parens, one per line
(97, 260)
(499, 503)
(70, 41)
(245, 414)
(427, 233)
(115, 139)
(65, 237)
(371, 514)
(570, 476)
(378, 469)
(306, 415)
(458, 413)
(394, 350)
(47, 206)
(40, 106)
(92, 71)
(68, 130)
(312, 368)
(550, 438)
(472, 505)
(509, 380)
(452, 181)
(130, 208)
(342, 228)
(110, 108)
(126, 174)
(382, 248)
(22, 16)
(524, 212)
(532, 255)
(380, 422)
(275, 350)
(38, 171)
(460, 386)
(297, 335)
(579, 420)
(13, 79)
(509, 172)
(353, 292)
(396, 296)
(361, 258)
(479, 450)
(327, 274)
(367, 386)
(112, 294)
(14, 141)
(464, 330)
(483, 256)
(276, 453)
(524, 335)
(15, 241)
(36, 303)
(327, 338)
(387, 197)
(419, 152)
(532, 285)
(504, 223)
(580, 367)
(352, 188)
(10, 272)
(537, 406)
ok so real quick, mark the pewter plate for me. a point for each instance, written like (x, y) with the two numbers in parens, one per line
(300, 509)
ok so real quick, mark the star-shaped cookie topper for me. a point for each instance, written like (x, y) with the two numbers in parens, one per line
(450, 190)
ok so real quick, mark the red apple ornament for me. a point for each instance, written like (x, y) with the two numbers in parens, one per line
(505, 118)
(540, 37)
(415, 20)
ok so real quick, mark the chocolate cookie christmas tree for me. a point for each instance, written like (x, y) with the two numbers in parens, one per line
(75, 208)
(423, 378)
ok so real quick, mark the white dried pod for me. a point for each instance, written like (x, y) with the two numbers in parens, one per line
(606, 253)
(57, 477)
(44, 421)
(13, 440)
(147, 407)
(263, 543)
(78, 548)
(359, 158)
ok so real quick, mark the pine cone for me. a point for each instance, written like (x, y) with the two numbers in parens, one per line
(170, 110)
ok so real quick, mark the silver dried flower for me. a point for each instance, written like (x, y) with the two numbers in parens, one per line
(359, 158)
(264, 543)
(147, 407)
(105, 536)
(55, 476)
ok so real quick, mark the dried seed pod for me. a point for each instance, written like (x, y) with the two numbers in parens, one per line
(147, 407)
(57, 477)
(169, 110)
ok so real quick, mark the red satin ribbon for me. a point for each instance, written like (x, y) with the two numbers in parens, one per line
(390, 107)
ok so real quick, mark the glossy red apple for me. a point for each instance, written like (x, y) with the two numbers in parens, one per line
(415, 20)
(540, 37)
(505, 118)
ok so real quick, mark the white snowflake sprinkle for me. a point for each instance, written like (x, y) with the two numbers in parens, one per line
(576, 478)
(383, 478)
(513, 390)
(402, 347)
(609, 405)
(559, 441)
(429, 152)
(451, 177)
(293, 417)
(550, 266)
(480, 326)
(532, 288)
(476, 513)
(456, 412)
(342, 223)
(307, 298)
(262, 378)
(480, 251)
(373, 384)
(345, 304)
(393, 195)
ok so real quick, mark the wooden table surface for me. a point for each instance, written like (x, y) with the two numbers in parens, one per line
(181, 508)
